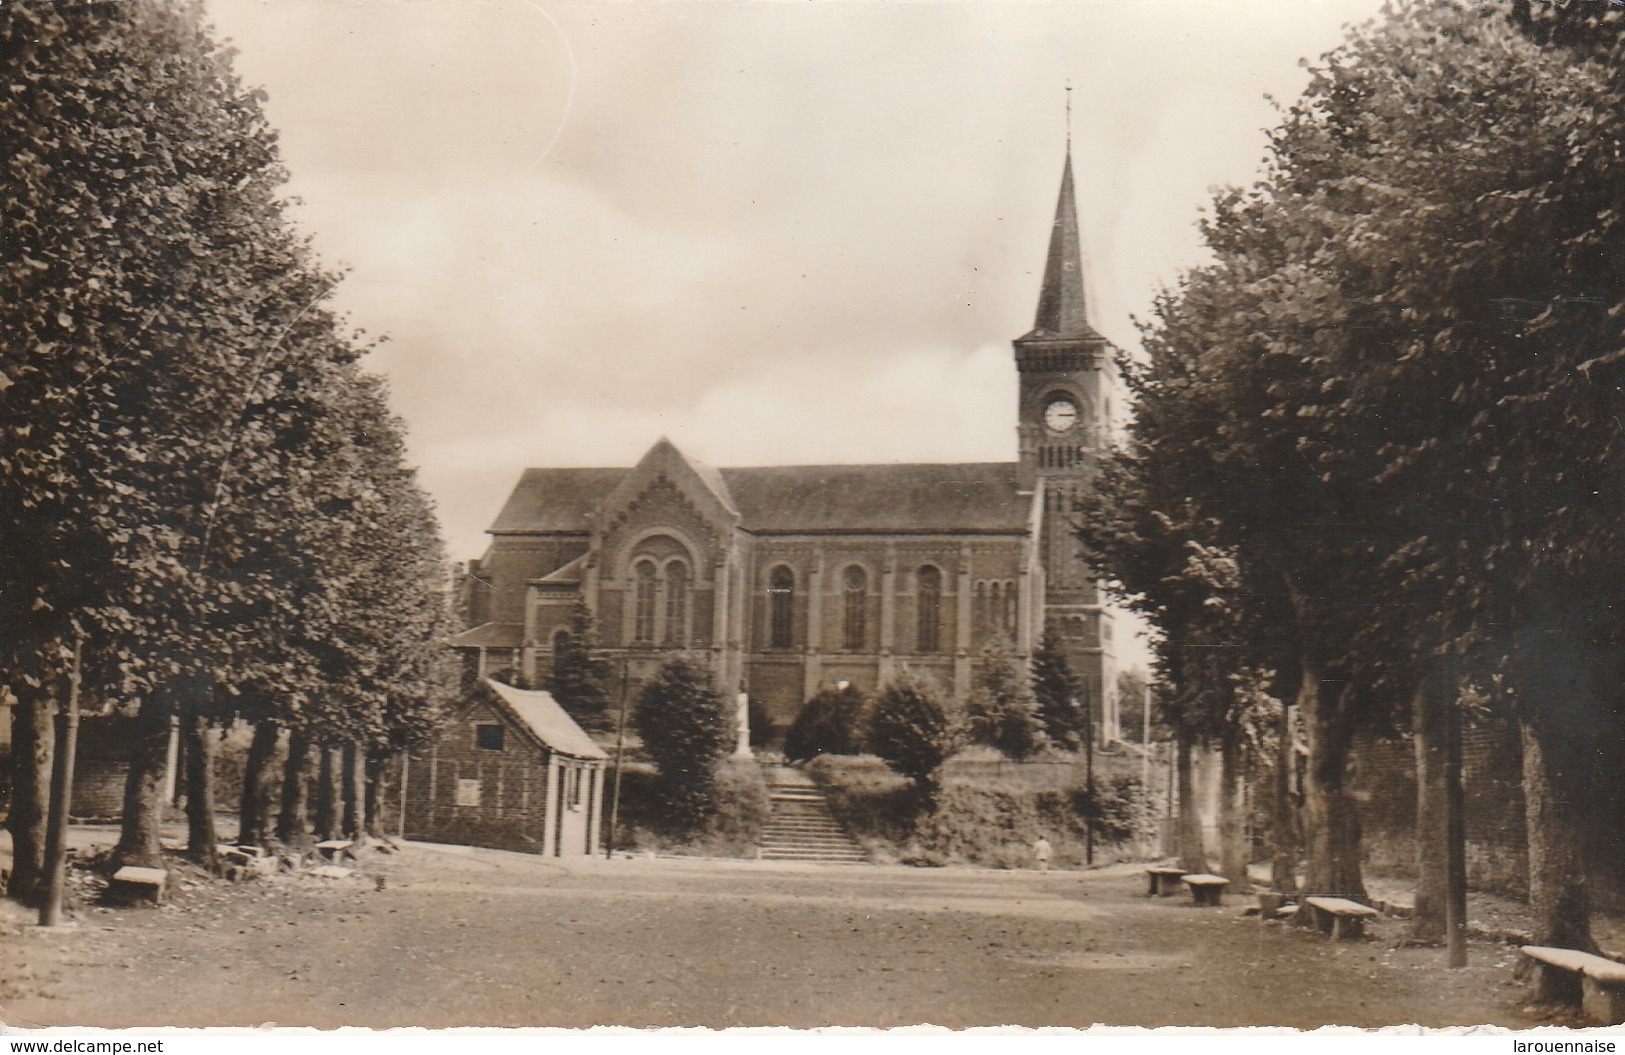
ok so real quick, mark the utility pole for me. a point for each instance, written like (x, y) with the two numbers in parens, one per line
(620, 750)
(56, 836)
(1089, 773)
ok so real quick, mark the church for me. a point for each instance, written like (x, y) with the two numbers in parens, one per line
(795, 578)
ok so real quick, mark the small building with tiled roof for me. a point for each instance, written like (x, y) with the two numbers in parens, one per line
(796, 577)
(511, 770)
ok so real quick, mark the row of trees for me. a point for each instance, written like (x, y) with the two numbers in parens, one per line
(198, 483)
(1379, 438)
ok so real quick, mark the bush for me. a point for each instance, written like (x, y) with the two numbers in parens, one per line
(733, 829)
(988, 818)
(1056, 690)
(911, 733)
(687, 728)
(1002, 711)
(831, 723)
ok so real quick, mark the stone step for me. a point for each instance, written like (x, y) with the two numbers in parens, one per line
(813, 855)
(802, 828)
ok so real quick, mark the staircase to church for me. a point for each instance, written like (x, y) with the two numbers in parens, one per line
(801, 827)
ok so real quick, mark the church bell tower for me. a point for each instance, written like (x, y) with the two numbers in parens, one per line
(1067, 376)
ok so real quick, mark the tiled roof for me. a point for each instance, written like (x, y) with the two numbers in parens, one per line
(976, 496)
(490, 635)
(547, 721)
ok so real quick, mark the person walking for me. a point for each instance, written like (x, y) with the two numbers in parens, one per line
(1042, 851)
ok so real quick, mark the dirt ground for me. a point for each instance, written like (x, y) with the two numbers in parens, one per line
(457, 937)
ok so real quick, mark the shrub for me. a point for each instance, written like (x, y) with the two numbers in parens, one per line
(1002, 711)
(831, 723)
(687, 729)
(911, 733)
(1116, 810)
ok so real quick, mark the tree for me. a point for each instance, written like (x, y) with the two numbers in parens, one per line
(580, 677)
(1002, 711)
(1055, 689)
(831, 723)
(687, 727)
(910, 731)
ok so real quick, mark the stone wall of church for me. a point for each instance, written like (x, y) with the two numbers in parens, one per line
(855, 610)
(498, 595)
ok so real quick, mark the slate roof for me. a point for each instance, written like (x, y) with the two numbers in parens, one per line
(793, 499)
(490, 635)
(975, 496)
(1063, 299)
(555, 499)
(542, 716)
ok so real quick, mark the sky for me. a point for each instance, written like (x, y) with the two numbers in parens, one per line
(775, 232)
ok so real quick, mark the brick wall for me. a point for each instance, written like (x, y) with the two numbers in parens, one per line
(512, 782)
(1492, 789)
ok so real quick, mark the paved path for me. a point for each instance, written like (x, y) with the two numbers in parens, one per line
(490, 938)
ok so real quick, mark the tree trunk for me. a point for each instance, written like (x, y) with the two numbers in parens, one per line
(254, 819)
(1192, 854)
(1283, 817)
(1559, 897)
(144, 787)
(198, 745)
(33, 752)
(355, 792)
(1430, 717)
(1234, 853)
(327, 799)
(293, 822)
(1331, 818)
(377, 771)
(1567, 670)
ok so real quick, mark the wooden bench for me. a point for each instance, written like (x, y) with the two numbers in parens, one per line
(1338, 916)
(335, 849)
(133, 882)
(1207, 889)
(1164, 880)
(1568, 976)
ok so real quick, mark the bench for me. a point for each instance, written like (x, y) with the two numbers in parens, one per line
(1338, 916)
(1164, 880)
(147, 883)
(335, 849)
(1569, 976)
(1207, 889)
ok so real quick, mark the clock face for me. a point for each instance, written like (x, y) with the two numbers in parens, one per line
(1060, 415)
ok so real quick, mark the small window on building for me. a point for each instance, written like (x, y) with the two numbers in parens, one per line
(855, 630)
(929, 603)
(468, 792)
(676, 603)
(645, 593)
(488, 737)
(781, 597)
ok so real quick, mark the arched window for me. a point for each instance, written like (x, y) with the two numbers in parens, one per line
(561, 645)
(928, 583)
(676, 603)
(1011, 609)
(643, 619)
(855, 628)
(781, 602)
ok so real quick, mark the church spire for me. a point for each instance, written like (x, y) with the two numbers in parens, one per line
(1063, 309)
